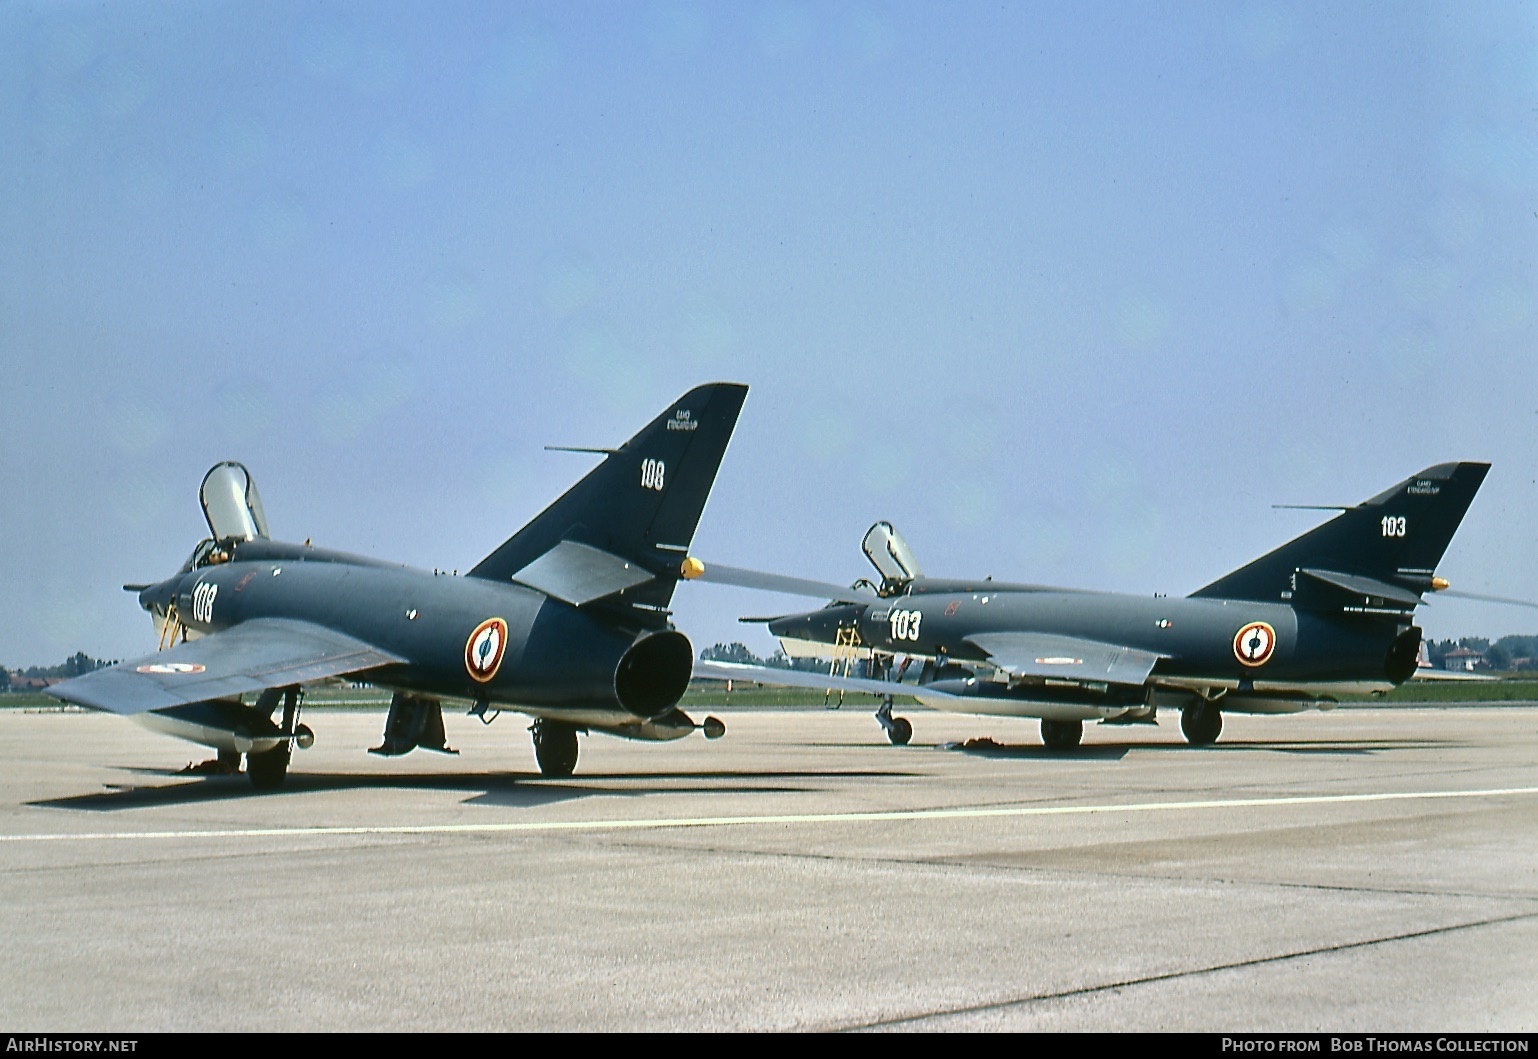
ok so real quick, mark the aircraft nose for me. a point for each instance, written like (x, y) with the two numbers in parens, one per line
(157, 598)
(820, 626)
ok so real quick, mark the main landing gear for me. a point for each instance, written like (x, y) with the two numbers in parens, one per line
(413, 721)
(555, 748)
(1201, 724)
(898, 729)
(268, 769)
(1061, 735)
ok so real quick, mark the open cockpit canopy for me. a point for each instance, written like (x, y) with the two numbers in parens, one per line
(231, 503)
(890, 555)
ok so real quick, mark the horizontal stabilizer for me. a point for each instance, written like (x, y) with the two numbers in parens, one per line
(577, 573)
(1043, 655)
(715, 573)
(253, 656)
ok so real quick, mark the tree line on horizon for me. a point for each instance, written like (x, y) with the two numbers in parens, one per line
(77, 664)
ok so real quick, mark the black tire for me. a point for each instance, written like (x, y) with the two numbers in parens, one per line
(900, 732)
(555, 748)
(1061, 735)
(1201, 725)
(268, 769)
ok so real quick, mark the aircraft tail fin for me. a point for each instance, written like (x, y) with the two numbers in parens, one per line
(640, 506)
(1385, 548)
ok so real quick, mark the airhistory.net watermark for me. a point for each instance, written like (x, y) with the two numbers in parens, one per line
(70, 1044)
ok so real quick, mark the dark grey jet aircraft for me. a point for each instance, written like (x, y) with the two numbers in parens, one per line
(567, 621)
(1328, 613)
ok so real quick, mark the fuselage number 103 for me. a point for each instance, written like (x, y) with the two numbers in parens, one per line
(1393, 525)
(905, 624)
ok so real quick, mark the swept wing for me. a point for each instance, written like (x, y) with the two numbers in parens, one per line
(800, 678)
(1048, 655)
(253, 656)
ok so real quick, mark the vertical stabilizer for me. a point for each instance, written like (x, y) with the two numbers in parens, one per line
(1395, 539)
(642, 503)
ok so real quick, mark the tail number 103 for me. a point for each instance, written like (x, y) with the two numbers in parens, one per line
(905, 624)
(653, 474)
(1393, 525)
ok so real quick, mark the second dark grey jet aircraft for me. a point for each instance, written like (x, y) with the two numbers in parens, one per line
(1330, 612)
(567, 621)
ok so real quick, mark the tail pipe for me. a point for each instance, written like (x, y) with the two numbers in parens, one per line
(653, 673)
(1403, 655)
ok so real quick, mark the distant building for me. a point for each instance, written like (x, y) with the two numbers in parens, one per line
(1463, 660)
(21, 683)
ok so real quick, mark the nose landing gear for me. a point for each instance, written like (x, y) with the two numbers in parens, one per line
(898, 729)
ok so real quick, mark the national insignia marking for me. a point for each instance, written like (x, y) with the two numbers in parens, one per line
(1254, 643)
(484, 649)
(173, 668)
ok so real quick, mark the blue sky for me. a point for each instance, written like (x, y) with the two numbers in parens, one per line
(1071, 293)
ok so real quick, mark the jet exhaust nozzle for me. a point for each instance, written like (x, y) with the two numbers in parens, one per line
(654, 673)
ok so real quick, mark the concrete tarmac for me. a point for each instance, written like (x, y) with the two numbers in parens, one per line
(1365, 870)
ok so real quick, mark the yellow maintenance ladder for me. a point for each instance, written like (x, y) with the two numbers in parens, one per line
(846, 651)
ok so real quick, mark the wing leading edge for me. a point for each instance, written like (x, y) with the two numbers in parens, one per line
(253, 656)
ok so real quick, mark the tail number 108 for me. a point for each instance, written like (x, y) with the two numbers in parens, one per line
(653, 474)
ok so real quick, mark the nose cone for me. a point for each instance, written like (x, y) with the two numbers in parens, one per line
(157, 598)
(818, 626)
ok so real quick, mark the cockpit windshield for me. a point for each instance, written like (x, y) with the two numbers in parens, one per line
(231, 504)
(207, 553)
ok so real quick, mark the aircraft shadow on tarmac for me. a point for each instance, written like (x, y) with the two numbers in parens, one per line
(1035, 751)
(985, 747)
(520, 790)
(1366, 746)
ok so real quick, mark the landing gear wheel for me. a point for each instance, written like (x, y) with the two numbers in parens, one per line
(1061, 735)
(1201, 724)
(898, 730)
(268, 768)
(555, 748)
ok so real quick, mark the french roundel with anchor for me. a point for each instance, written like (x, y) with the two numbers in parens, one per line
(1254, 643)
(484, 649)
(175, 668)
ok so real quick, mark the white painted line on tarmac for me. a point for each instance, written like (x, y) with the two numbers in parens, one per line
(887, 816)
